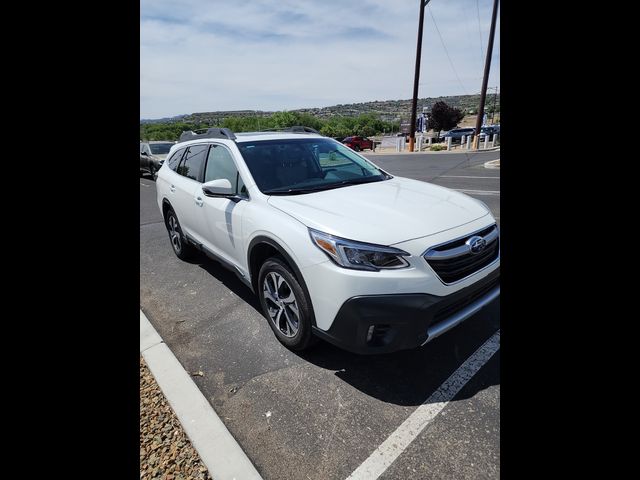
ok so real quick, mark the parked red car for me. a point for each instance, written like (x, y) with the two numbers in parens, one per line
(358, 143)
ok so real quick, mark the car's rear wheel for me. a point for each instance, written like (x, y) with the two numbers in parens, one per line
(285, 304)
(179, 243)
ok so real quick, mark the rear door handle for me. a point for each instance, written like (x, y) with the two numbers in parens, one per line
(172, 188)
(199, 201)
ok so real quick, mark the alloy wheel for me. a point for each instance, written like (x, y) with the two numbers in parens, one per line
(281, 304)
(174, 234)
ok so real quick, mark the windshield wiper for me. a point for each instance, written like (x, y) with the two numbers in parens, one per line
(290, 191)
(356, 181)
(319, 188)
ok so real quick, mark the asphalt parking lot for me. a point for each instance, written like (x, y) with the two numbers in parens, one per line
(322, 413)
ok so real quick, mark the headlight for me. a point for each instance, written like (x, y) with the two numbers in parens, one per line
(359, 256)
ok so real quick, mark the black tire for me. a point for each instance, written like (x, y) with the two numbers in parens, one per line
(302, 338)
(356, 148)
(181, 246)
(152, 170)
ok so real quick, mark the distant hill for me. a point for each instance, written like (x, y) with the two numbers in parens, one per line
(387, 110)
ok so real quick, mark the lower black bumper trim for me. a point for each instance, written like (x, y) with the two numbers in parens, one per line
(371, 324)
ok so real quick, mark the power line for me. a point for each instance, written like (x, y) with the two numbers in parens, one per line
(479, 30)
(466, 27)
(446, 51)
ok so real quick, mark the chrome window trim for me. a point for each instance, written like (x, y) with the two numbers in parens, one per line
(466, 250)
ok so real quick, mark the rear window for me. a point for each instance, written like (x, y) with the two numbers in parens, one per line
(160, 148)
(175, 159)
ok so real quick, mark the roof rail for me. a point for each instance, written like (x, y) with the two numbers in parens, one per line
(294, 129)
(301, 129)
(213, 132)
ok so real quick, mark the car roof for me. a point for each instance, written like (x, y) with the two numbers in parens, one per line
(257, 136)
(244, 137)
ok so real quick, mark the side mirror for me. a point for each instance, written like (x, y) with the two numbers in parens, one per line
(218, 188)
(144, 153)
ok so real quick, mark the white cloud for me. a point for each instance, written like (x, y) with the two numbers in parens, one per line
(280, 54)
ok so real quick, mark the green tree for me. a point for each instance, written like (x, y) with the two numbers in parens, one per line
(284, 119)
(336, 126)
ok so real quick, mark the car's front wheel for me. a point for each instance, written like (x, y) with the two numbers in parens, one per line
(285, 304)
(356, 148)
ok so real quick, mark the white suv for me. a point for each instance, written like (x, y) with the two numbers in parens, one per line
(333, 245)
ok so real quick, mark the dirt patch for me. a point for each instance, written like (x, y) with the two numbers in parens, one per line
(165, 450)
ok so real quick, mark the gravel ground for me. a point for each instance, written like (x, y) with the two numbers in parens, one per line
(165, 450)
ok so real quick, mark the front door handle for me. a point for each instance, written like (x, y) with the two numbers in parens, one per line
(172, 188)
(199, 201)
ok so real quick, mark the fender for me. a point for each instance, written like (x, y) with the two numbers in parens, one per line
(270, 241)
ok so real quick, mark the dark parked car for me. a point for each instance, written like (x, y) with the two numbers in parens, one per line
(152, 156)
(358, 143)
(457, 133)
(489, 130)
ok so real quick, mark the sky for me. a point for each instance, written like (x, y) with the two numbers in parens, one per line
(208, 55)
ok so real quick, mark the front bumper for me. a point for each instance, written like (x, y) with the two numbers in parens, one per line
(405, 321)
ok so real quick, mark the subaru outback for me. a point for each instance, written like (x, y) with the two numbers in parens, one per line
(334, 246)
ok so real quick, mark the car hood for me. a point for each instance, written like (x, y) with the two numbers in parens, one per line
(386, 212)
(160, 156)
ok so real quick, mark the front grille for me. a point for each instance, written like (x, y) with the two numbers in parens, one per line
(454, 260)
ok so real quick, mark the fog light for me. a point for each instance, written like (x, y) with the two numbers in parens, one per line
(370, 333)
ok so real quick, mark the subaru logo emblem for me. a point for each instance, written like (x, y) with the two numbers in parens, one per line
(476, 244)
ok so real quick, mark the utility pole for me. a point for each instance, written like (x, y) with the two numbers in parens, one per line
(416, 79)
(487, 64)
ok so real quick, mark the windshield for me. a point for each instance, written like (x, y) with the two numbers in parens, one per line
(160, 148)
(289, 167)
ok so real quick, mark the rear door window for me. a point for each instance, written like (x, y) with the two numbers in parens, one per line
(193, 162)
(174, 160)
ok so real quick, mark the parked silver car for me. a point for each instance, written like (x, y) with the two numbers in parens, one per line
(152, 155)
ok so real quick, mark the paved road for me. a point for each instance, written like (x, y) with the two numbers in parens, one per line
(319, 415)
(464, 172)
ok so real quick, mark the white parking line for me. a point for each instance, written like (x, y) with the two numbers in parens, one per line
(398, 441)
(477, 192)
(464, 176)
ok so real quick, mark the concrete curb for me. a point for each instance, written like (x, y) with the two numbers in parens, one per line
(493, 164)
(217, 448)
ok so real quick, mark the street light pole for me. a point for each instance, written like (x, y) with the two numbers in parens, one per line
(416, 79)
(487, 65)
